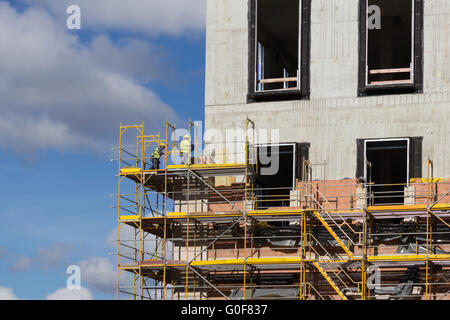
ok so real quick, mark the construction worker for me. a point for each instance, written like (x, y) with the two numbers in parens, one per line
(185, 150)
(156, 156)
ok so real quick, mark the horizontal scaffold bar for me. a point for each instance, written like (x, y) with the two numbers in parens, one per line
(207, 166)
(264, 263)
(288, 214)
(412, 208)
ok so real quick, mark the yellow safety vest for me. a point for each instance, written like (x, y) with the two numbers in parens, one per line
(185, 146)
(156, 154)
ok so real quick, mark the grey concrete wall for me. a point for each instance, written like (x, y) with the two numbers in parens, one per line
(334, 117)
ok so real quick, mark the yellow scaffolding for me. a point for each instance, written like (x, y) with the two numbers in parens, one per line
(161, 207)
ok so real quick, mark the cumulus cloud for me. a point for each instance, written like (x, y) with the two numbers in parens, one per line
(71, 294)
(52, 256)
(58, 92)
(99, 274)
(126, 233)
(154, 17)
(21, 133)
(14, 261)
(46, 257)
(7, 294)
(127, 237)
(22, 263)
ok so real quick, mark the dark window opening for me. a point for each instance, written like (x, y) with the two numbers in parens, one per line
(277, 57)
(387, 171)
(391, 46)
(279, 50)
(415, 157)
(273, 188)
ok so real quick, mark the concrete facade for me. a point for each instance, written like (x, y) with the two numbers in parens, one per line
(334, 116)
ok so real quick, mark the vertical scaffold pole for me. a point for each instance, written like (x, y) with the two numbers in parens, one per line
(141, 205)
(188, 212)
(303, 256)
(118, 212)
(136, 212)
(246, 182)
(429, 229)
(364, 258)
(165, 218)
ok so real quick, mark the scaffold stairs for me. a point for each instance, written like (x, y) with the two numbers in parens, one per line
(330, 221)
(333, 234)
(330, 281)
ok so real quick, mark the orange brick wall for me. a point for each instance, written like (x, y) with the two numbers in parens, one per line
(333, 194)
(439, 190)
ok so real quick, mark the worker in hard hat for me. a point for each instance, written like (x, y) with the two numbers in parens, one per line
(156, 156)
(185, 150)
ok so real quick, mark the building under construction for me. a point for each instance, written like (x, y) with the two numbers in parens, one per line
(326, 176)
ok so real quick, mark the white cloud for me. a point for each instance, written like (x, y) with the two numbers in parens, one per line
(71, 294)
(127, 237)
(154, 17)
(126, 233)
(23, 133)
(7, 294)
(47, 257)
(22, 263)
(99, 274)
(56, 92)
(52, 256)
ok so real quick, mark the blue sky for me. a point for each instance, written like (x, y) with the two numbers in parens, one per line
(62, 96)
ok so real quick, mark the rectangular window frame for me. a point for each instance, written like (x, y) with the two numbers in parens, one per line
(416, 85)
(408, 153)
(303, 78)
(294, 157)
(415, 150)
